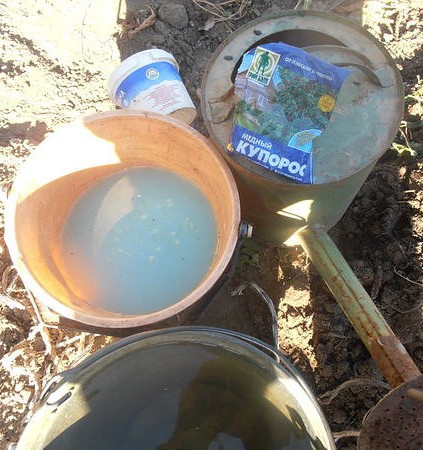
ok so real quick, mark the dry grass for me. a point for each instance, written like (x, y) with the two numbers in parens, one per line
(226, 11)
(32, 352)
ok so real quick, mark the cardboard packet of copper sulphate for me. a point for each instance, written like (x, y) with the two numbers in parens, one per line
(286, 98)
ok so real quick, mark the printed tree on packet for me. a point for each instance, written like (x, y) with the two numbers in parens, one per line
(299, 97)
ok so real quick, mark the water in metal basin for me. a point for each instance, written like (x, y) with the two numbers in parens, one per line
(212, 400)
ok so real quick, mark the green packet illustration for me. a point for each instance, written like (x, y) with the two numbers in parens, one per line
(286, 100)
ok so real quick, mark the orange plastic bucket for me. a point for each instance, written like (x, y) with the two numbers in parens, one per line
(76, 157)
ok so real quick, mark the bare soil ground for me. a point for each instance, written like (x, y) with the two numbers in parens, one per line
(55, 60)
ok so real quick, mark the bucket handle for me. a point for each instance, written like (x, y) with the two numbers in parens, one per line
(371, 74)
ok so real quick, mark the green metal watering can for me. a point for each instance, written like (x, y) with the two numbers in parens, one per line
(363, 124)
(362, 127)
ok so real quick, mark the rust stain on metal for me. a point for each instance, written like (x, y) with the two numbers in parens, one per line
(394, 360)
(387, 351)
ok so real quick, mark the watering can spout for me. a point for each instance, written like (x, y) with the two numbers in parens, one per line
(384, 347)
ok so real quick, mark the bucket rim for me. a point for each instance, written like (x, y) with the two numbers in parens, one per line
(121, 344)
(118, 321)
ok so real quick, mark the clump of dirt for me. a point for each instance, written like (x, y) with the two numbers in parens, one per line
(55, 62)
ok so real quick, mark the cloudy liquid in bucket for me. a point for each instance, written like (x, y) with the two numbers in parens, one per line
(144, 236)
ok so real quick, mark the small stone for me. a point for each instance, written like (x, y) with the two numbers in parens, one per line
(38, 344)
(330, 306)
(398, 258)
(339, 416)
(327, 371)
(364, 272)
(174, 14)
(161, 28)
(157, 39)
(402, 171)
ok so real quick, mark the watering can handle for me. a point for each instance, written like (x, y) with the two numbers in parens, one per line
(385, 348)
(371, 75)
(347, 52)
